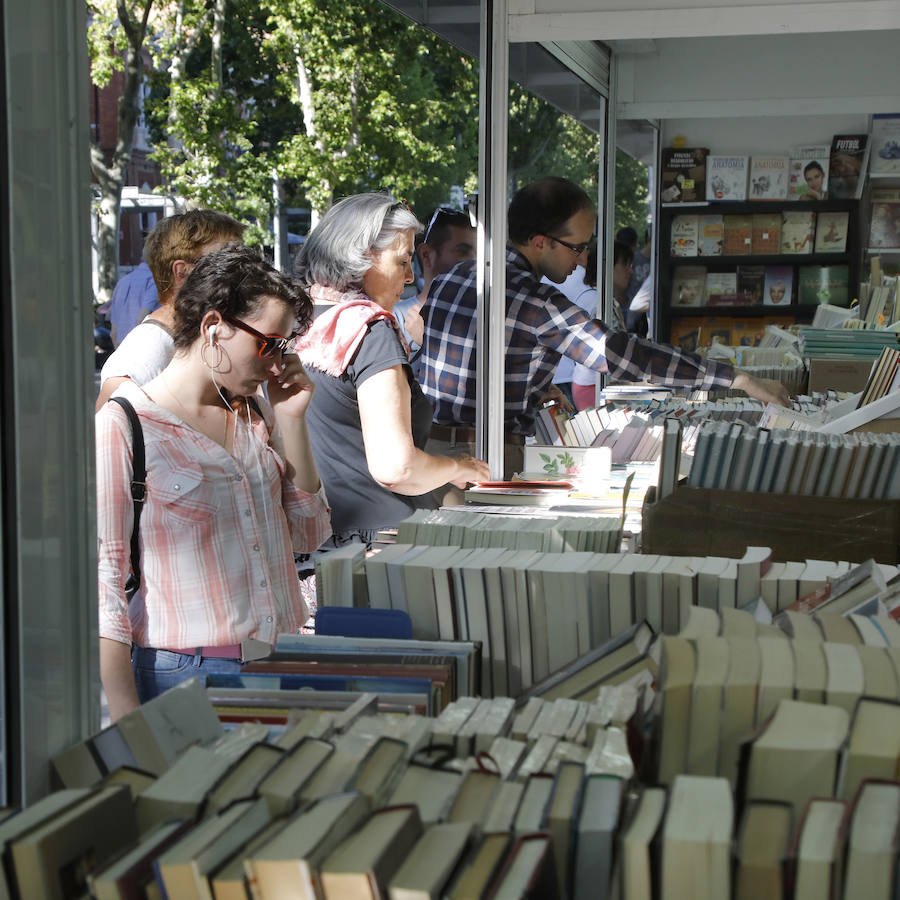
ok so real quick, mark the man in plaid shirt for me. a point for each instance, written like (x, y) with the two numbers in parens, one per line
(551, 226)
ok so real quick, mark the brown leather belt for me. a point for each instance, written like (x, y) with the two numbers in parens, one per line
(465, 434)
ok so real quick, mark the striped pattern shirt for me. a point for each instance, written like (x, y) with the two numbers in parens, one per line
(542, 325)
(217, 532)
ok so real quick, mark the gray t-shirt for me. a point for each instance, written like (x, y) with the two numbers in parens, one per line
(357, 500)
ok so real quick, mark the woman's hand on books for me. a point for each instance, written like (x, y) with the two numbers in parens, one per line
(766, 390)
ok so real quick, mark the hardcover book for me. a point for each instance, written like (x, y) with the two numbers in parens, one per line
(831, 232)
(711, 237)
(884, 229)
(684, 236)
(683, 177)
(778, 285)
(798, 229)
(738, 235)
(766, 233)
(768, 178)
(726, 177)
(750, 282)
(689, 286)
(885, 157)
(808, 173)
(824, 284)
(849, 153)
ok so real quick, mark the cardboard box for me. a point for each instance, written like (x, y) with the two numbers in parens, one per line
(838, 374)
(706, 522)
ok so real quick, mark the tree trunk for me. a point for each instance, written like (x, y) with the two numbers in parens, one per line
(111, 175)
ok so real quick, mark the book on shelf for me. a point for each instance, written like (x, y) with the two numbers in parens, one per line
(726, 177)
(711, 236)
(684, 235)
(885, 138)
(765, 233)
(689, 286)
(778, 286)
(683, 175)
(738, 234)
(751, 283)
(798, 230)
(808, 172)
(762, 850)
(722, 289)
(884, 225)
(884, 377)
(818, 849)
(479, 867)
(847, 165)
(831, 232)
(873, 744)
(768, 178)
(870, 861)
(431, 861)
(696, 839)
(639, 845)
(824, 285)
(527, 870)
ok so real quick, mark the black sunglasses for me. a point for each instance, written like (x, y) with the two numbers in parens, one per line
(269, 344)
(577, 249)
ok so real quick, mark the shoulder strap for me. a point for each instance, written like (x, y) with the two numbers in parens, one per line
(138, 481)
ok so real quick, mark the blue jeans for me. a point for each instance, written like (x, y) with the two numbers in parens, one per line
(155, 671)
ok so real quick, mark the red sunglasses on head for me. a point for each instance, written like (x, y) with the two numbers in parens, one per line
(269, 344)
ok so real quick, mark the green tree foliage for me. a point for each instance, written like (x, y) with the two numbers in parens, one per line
(632, 194)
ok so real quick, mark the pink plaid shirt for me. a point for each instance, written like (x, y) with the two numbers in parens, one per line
(216, 550)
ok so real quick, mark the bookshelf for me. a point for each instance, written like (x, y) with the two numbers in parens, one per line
(673, 321)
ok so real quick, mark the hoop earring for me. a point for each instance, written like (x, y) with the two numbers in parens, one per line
(219, 356)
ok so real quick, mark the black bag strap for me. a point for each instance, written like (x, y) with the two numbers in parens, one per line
(138, 481)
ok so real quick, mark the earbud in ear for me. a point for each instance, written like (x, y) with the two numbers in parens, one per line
(212, 334)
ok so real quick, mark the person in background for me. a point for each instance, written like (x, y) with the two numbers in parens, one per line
(621, 274)
(449, 238)
(370, 420)
(635, 311)
(551, 227)
(584, 380)
(231, 486)
(171, 250)
(133, 299)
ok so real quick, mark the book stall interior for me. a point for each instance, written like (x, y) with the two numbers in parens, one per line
(660, 663)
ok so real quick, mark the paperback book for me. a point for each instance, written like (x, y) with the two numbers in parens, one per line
(751, 282)
(712, 236)
(738, 235)
(798, 229)
(824, 284)
(689, 286)
(849, 154)
(683, 176)
(884, 229)
(885, 158)
(831, 232)
(722, 289)
(768, 177)
(685, 235)
(726, 177)
(808, 175)
(766, 233)
(778, 285)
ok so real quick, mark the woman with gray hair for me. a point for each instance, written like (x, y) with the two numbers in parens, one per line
(370, 420)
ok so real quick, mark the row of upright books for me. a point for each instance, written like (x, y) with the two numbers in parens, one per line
(811, 173)
(791, 232)
(755, 285)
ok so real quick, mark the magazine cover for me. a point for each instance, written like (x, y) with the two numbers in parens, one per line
(684, 236)
(885, 158)
(726, 177)
(808, 173)
(683, 176)
(831, 232)
(824, 284)
(778, 287)
(768, 178)
(689, 286)
(849, 153)
(798, 229)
